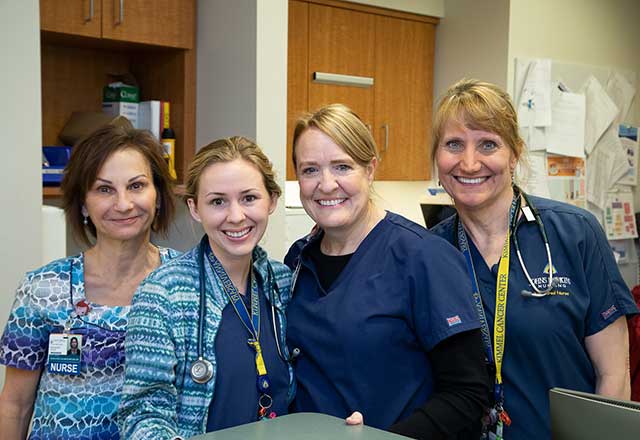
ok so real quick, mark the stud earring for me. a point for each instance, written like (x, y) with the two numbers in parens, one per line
(86, 220)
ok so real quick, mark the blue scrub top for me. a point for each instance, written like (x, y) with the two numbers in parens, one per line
(235, 401)
(364, 342)
(545, 336)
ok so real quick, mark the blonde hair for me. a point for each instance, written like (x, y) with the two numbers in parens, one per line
(344, 128)
(479, 106)
(227, 150)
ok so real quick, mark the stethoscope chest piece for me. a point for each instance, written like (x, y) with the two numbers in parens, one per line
(201, 371)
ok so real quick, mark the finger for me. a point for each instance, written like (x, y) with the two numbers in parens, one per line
(355, 419)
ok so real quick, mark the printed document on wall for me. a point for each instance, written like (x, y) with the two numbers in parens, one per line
(533, 92)
(601, 112)
(629, 141)
(600, 164)
(565, 136)
(535, 178)
(621, 92)
(566, 179)
(619, 216)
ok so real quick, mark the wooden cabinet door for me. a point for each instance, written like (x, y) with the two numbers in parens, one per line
(341, 41)
(76, 17)
(162, 22)
(403, 97)
(297, 73)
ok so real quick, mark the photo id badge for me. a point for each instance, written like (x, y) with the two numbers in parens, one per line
(64, 353)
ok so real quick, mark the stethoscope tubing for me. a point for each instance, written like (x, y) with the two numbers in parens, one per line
(202, 309)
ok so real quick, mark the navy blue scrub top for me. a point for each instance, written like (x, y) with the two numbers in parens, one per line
(364, 342)
(235, 400)
(545, 336)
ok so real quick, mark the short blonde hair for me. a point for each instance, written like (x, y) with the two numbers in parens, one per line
(227, 150)
(344, 128)
(479, 106)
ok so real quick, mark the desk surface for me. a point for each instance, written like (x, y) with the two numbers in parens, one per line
(301, 426)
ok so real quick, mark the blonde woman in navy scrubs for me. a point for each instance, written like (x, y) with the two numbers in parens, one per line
(381, 310)
(565, 322)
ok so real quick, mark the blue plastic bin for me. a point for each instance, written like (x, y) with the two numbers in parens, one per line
(58, 157)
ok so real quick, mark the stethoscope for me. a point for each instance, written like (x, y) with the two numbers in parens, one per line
(202, 369)
(531, 214)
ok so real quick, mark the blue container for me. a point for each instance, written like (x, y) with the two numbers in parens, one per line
(57, 158)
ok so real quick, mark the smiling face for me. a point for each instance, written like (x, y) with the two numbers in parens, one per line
(121, 202)
(474, 166)
(233, 206)
(334, 189)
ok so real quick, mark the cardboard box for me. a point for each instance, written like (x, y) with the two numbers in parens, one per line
(82, 124)
(120, 93)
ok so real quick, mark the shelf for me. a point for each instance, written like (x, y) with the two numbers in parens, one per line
(51, 192)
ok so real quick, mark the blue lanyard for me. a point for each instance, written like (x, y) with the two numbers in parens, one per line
(463, 245)
(251, 323)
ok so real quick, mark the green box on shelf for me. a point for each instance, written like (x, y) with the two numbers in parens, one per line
(121, 93)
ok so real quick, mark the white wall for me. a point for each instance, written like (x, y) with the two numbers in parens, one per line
(21, 127)
(271, 105)
(242, 90)
(472, 42)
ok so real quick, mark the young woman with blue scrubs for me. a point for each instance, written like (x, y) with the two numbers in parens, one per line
(564, 324)
(205, 344)
(382, 311)
(116, 190)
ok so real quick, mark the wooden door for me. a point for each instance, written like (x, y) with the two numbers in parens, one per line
(298, 73)
(341, 41)
(169, 23)
(403, 97)
(75, 17)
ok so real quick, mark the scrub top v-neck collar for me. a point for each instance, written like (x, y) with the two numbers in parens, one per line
(355, 258)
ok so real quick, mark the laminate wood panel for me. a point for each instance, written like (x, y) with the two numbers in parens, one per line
(298, 73)
(403, 97)
(170, 76)
(72, 80)
(168, 23)
(343, 42)
(72, 17)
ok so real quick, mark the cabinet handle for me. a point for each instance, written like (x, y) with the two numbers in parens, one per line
(120, 13)
(342, 80)
(386, 137)
(90, 17)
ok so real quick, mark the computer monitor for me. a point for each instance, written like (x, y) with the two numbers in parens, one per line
(584, 416)
(435, 213)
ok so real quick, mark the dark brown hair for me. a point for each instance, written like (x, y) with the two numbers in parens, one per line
(87, 158)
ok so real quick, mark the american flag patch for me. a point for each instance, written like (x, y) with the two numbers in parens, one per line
(610, 311)
(454, 320)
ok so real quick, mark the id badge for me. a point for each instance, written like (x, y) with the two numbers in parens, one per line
(65, 351)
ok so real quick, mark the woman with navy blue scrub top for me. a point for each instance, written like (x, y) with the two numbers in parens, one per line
(205, 345)
(564, 324)
(381, 310)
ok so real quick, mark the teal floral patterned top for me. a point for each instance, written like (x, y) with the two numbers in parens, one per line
(69, 406)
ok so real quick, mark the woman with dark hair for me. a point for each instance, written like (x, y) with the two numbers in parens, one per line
(116, 190)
